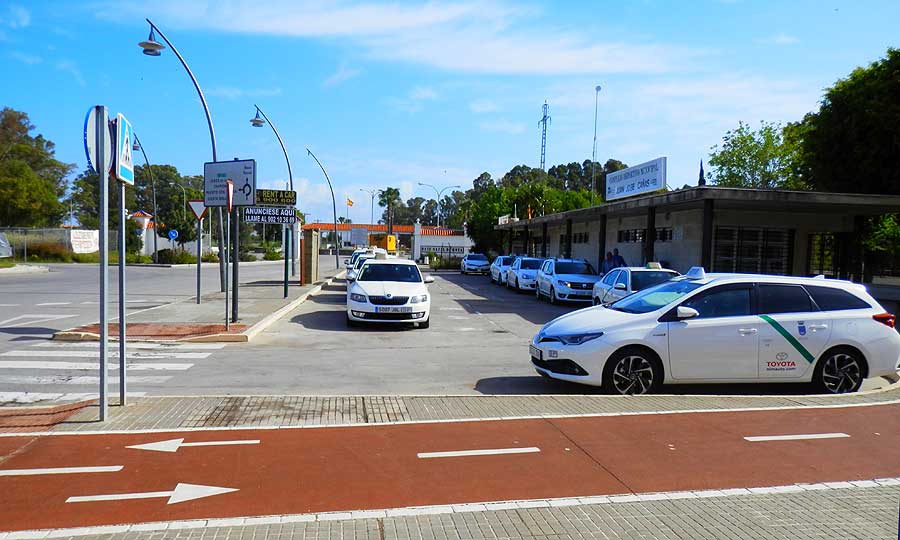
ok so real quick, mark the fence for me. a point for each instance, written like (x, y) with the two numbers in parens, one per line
(20, 238)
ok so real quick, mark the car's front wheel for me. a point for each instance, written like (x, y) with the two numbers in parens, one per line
(351, 323)
(596, 301)
(631, 372)
(840, 371)
(552, 297)
(425, 324)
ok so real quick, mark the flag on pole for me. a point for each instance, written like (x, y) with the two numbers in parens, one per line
(349, 202)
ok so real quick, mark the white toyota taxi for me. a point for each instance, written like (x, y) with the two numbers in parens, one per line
(389, 291)
(724, 328)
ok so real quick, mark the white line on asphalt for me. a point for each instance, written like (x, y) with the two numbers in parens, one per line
(33, 364)
(801, 437)
(164, 346)
(485, 452)
(82, 379)
(18, 353)
(37, 319)
(54, 304)
(60, 470)
(37, 397)
(10, 305)
(181, 493)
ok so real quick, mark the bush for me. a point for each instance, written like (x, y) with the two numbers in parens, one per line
(272, 255)
(165, 256)
(248, 257)
(49, 252)
(92, 258)
(134, 258)
(210, 257)
(444, 263)
(183, 257)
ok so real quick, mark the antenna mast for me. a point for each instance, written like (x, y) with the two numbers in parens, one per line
(544, 122)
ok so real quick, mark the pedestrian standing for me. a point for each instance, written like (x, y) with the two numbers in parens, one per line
(608, 263)
(618, 260)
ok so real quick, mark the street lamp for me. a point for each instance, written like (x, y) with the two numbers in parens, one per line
(371, 193)
(184, 200)
(594, 154)
(138, 146)
(151, 47)
(439, 193)
(333, 207)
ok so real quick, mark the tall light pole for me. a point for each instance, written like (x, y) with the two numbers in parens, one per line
(151, 47)
(138, 146)
(333, 207)
(183, 200)
(371, 193)
(594, 153)
(439, 193)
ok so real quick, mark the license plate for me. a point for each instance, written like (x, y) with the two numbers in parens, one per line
(535, 352)
(381, 309)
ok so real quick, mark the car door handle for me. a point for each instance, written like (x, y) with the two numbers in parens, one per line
(815, 327)
(747, 331)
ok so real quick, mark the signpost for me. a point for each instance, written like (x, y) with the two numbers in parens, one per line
(229, 200)
(199, 210)
(97, 148)
(124, 168)
(277, 206)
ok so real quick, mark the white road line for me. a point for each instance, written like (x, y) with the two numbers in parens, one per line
(54, 304)
(163, 346)
(802, 437)
(18, 353)
(33, 364)
(81, 379)
(37, 397)
(486, 452)
(10, 305)
(36, 319)
(60, 470)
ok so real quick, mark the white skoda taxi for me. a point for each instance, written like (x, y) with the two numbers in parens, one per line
(389, 291)
(724, 328)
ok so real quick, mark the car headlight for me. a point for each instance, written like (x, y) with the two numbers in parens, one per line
(563, 283)
(358, 297)
(578, 339)
(418, 299)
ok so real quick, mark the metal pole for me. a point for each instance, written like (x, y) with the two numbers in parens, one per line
(287, 254)
(235, 256)
(199, 253)
(290, 177)
(103, 172)
(225, 258)
(333, 206)
(123, 339)
(594, 153)
(153, 187)
(212, 138)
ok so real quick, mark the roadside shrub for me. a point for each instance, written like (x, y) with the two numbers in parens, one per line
(183, 257)
(90, 258)
(165, 256)
(133, 258)
(49, 252)
(444, 263)
(210, 257)
(272, 255)
(248, 257)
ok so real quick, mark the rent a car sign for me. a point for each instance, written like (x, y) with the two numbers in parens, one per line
(644, 178)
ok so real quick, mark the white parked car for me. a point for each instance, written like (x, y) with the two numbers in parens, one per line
(620, 282)
(389, 291)
(566, 279)
(349, 263)
(724, 328)
(522, 273)
(474, 263)
(361, 260)
(499, 267)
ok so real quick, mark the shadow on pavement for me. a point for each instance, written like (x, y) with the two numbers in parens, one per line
(534, 384)
(497, 299)
(28, 330)
(336, 321)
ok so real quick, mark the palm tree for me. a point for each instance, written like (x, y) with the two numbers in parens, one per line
(389, 197)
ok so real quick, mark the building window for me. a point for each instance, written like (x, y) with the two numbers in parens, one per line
(632, 236)
(664, 234)
(823, 254)
(753, 250)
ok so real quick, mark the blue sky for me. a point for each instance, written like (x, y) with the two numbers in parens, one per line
(391, 94)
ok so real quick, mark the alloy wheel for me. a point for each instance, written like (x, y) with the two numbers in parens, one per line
(841, 373)
(633, 375)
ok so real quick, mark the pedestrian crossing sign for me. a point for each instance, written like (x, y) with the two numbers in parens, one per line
(124, 140)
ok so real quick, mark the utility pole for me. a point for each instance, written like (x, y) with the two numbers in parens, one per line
(594, 152)
(544, 122)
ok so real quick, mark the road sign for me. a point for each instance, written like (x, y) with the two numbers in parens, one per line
(198, 208)
(90, 139)
(173, 445)
(276, 197)
(173, 234)
(181, 493)
(241, 172)
(285, 215)
(124, 165)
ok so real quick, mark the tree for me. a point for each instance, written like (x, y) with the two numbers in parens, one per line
(389, 198)
(32, 180)
(853, 142)
(762, 159)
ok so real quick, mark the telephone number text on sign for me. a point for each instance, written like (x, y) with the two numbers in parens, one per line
(269, 214)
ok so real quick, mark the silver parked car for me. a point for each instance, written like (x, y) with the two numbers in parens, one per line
(474, 263)
(620, 282)
(499, 267)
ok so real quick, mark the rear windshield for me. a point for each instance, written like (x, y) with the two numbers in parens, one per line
(655, 297)
(642, 280)
(406, 273)
(477, 257)
(531, 264)
(575, 268)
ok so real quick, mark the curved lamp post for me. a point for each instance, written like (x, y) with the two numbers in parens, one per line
(138, 146)
(439, 193)
(594, 153)
(333, 207)
(151, 47)
(371, 193)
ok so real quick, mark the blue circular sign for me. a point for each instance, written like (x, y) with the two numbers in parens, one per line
(173, 234)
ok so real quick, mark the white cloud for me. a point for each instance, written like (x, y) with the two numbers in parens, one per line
(414, 101)
(17, 17)
(343, 74)
(232, 92)
(422, 93)
(25, 58)
(68, 66)
(482, 106)
(503, 126)
(780, 39)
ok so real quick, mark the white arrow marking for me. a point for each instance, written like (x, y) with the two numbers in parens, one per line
(181, 493)
(172, 445)
(60, 470)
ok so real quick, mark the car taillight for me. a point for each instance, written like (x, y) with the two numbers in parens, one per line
(886, 319)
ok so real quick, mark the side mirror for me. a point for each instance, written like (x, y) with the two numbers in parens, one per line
(346, 261)
(684, 312)
(428, 279)
(619, 286)
(351, 278)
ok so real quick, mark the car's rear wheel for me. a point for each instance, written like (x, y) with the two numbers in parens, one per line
(537, 293)
(553, 299)
(631, 372)
(840, 371)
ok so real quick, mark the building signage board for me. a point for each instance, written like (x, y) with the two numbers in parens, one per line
(270, 215)
(276, 197)
(638, 180)
(242, 173)
(84, 241)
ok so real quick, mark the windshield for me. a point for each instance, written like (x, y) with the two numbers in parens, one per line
(406, 273)
(477, 257)
(643, 280)
(655, 297)
(531, 264)
(506, 261)
(354, 257)
(575, 268)
(360, 261)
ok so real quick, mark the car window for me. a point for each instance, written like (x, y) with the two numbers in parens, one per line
(515, 263)
(360, 261)
(610, 278)
(531, 264)
(575, 268)
(622, 278)
(721, 302)
(655, 298)
(783, 299)
(831, 299)
(506, 261)
(476, 257)
(406, 273)
(642, 280)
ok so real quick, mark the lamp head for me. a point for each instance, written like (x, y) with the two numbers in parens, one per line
(257, 121)
(135, 146)
(151, 47)
(597, 88)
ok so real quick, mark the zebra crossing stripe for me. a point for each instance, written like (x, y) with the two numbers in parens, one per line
(112, 354)
(140, 345)
(28, 364)
(81, 379)
(36, 397)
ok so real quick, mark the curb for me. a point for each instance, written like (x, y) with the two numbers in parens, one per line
(21, 269)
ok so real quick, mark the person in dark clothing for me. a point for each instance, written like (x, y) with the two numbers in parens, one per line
(618, 260)
(608, 263)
